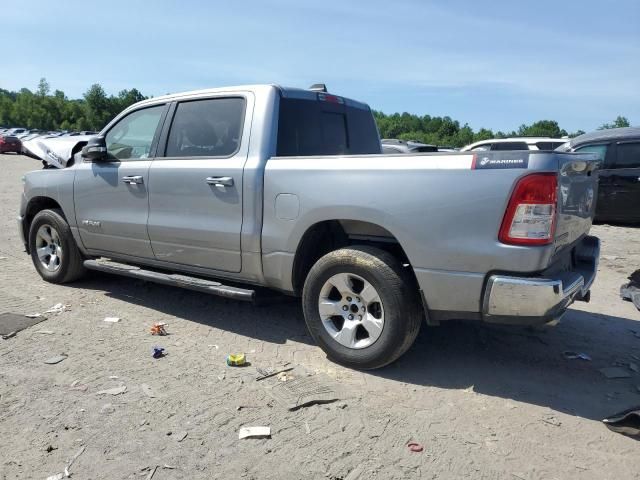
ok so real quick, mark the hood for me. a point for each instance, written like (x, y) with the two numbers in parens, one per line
(56, 151)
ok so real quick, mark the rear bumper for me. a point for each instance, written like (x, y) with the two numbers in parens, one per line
(537, 300)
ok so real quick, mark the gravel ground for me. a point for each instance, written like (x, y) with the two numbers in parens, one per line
(485, 402)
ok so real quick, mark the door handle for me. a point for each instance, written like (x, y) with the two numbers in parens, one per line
(133, 179)
(220, 181)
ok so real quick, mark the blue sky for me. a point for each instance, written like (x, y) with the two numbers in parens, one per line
(493, 64)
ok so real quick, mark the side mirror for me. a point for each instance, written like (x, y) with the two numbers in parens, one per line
(95, 150)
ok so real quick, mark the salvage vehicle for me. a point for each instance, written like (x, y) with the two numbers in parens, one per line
(619, 189)
(229, 190)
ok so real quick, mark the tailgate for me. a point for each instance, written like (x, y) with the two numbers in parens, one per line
(577, 194)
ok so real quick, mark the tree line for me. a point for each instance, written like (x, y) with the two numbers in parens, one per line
(45, 110)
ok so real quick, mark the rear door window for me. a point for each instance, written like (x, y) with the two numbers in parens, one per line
(206, 128)
(628, 155)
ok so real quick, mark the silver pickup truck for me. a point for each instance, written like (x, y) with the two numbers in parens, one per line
(228, 190)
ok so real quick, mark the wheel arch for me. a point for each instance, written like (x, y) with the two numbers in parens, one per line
(329, 235)
(35, 206)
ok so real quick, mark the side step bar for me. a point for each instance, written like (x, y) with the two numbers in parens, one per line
(173, 279)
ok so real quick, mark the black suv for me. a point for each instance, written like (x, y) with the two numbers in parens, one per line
(619, 188)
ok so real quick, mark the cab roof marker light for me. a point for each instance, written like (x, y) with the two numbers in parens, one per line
(325, 97)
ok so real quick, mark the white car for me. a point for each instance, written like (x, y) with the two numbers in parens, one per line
(516, 143)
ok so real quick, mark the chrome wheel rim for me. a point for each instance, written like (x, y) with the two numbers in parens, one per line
(351, 311)
(49, 248)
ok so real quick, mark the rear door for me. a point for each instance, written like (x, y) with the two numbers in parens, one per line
(195, 194)
(625, 181)
(112, 197)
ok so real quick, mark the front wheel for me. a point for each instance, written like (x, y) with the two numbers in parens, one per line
(362, 307)
(53, 250)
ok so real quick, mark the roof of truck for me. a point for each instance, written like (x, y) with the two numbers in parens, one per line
(287, 92)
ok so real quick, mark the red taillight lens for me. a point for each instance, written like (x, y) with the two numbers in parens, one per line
(530, 218)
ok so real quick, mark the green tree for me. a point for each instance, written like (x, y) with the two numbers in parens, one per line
(542, 128)
(619, 122)
(97, 105)
(43, 87)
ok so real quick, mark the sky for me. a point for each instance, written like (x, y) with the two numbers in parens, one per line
(494, 64)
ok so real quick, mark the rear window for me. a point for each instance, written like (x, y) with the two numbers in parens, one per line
(510, 146)
(548, 145)
(311, 127)
(628, 155)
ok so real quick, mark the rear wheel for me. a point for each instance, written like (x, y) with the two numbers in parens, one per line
(53, 250)
(362, 307)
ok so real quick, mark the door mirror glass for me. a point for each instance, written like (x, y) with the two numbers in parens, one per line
(95, 150)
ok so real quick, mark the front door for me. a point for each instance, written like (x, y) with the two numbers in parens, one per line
(112, 197)
(195, 190)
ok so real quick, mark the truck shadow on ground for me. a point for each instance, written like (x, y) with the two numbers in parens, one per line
(522, 364)
(528, 365)
(276, 318)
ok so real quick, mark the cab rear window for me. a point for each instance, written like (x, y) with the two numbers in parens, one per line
(313, 127)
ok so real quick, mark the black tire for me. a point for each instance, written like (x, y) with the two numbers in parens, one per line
(71, 262)
(398, 294)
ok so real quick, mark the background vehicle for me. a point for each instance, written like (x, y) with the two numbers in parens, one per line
(10, 143)
(619, 176)
(515, 143)
(286, 188)
(392, 145)
(16, 131)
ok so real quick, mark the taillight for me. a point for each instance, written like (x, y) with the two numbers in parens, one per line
(530, 218)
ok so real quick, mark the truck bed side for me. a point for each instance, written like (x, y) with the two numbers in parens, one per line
(444, 213)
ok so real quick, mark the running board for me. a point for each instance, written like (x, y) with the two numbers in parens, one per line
(173, 279)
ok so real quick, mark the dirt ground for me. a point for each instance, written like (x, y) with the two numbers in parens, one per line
(485, 402)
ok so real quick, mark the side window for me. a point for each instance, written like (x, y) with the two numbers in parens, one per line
(504, 146)
(599, 150)
(482, 148)
(206, 128)
(628, 155)
(131, 137)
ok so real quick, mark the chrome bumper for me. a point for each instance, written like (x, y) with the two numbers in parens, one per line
(538, 300)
